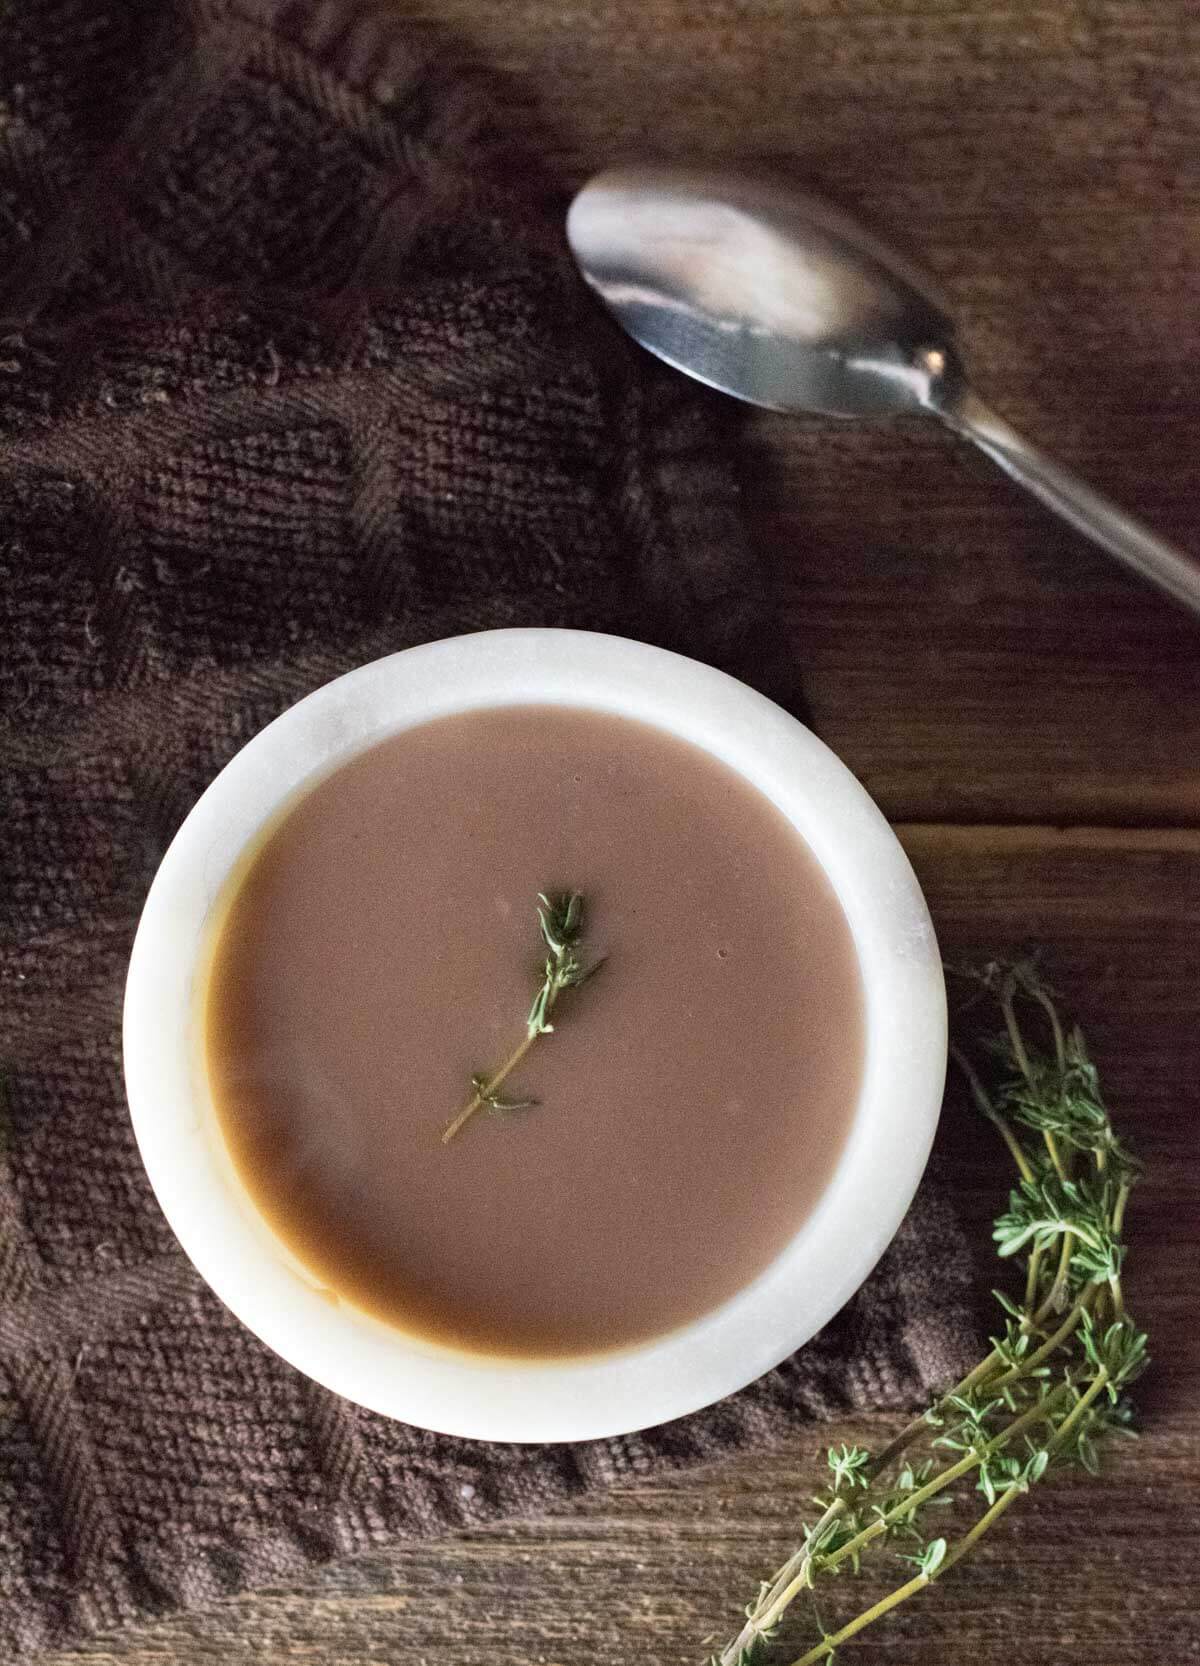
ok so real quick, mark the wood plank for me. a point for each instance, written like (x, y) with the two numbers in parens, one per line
(966, 657)
(1100, 1572)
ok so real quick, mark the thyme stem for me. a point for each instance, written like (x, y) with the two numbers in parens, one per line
(483, 1094)
(876, 1612)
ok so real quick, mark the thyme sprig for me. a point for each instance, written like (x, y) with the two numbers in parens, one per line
(560, 918)
(1053, 1385)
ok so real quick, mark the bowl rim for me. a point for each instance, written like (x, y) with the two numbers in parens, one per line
(602, 1395)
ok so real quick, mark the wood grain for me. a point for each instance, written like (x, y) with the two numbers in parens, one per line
(1029, 714)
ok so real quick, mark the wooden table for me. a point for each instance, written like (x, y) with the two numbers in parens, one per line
(1027, 716)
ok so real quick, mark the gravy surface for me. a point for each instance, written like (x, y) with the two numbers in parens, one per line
(383, 946)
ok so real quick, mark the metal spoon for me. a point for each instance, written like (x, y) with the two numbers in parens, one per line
(774, 296)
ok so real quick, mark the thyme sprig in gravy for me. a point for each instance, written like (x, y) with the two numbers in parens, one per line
(560, 917)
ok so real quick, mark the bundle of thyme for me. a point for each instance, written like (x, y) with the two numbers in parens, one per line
(1052, 1386)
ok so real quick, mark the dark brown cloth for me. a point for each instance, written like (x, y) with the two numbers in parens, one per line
(288, 379)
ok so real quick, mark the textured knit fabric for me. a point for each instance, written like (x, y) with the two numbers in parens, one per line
(288, 379)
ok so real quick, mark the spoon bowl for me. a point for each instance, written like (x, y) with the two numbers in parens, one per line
(760, 290)
(772, 295)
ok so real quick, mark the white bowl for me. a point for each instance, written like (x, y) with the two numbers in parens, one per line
(356, 1355)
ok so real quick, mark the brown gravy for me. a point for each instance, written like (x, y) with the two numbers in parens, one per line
(383, 946)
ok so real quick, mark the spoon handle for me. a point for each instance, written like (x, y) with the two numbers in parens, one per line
(1163, 563)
